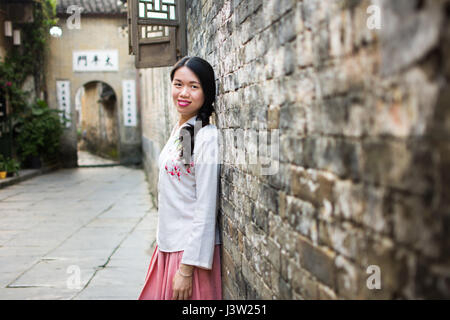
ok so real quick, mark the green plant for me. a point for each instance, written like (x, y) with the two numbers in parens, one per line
(39, 130)
(28, 59)
(9, 165)
(113, 154)
(12, 166)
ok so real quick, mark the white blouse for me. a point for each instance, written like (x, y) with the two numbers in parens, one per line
(188, 197)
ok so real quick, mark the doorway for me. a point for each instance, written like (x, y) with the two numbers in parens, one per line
(97, 125)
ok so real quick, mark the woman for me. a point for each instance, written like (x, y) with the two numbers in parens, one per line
(186, 260)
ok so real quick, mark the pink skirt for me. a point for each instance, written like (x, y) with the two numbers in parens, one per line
(206, 284)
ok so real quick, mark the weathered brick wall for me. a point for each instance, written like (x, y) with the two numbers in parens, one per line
(364, 151)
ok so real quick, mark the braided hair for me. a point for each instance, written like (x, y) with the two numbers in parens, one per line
(204, 71)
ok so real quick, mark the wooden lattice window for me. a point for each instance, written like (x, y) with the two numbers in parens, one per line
(157, 32)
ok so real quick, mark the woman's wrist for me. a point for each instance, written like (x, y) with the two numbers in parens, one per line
(184, 275)
(186, 270)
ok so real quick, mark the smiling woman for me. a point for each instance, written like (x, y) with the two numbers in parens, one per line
(186, 260)
(187, 93)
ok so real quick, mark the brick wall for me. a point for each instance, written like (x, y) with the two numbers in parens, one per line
(363, 130)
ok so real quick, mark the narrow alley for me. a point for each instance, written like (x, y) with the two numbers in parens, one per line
(81, 233)
(328, 123)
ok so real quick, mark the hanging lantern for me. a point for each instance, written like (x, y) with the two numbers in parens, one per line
(8, 28)
(56, 31)
(16, 38)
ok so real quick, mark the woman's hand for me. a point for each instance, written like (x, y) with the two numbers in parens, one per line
(181, 285)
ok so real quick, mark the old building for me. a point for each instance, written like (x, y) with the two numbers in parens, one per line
(91, 76)
(355, 93)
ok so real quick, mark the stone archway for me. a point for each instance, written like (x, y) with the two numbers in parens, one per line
(97, 121)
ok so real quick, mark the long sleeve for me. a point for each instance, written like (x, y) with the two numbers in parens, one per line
(199, 248)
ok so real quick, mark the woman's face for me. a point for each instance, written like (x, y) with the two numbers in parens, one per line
(187, 92)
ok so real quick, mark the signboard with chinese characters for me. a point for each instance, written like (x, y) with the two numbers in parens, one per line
(63, 97)
(95, 60)
(129, 102)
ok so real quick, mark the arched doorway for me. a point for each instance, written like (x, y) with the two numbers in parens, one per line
(97, 124)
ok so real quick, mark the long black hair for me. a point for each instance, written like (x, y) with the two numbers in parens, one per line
(205, 72)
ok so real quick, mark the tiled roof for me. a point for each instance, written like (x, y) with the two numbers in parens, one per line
(92, 6)
(18, 1)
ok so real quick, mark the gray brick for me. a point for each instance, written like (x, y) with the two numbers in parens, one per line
(318, 261)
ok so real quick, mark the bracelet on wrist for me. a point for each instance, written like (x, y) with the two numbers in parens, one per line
(184, 275)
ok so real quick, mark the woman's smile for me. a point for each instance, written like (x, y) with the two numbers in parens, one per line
(183, 103)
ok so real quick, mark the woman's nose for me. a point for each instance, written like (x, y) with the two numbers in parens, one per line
(184, 92)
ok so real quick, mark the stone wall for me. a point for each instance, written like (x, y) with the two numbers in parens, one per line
(363, 127)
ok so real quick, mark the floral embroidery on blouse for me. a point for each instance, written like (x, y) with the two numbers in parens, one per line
(175, 170)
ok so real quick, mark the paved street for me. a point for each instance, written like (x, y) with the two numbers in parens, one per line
(83, 233)
(86, 158)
